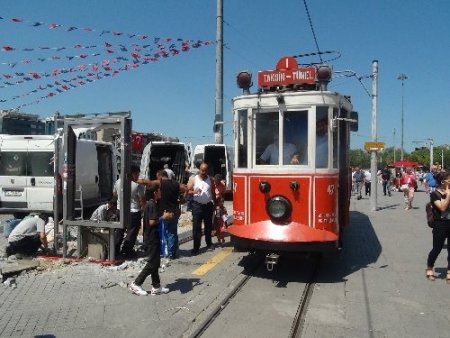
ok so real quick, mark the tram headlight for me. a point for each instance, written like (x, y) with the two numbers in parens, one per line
(279, 208)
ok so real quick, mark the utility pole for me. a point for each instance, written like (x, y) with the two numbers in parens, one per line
(394, 145)
(373, 157)
(402, 77)
(431, 151)
(218, 119)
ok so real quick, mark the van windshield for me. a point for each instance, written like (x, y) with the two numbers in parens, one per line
(26, 164)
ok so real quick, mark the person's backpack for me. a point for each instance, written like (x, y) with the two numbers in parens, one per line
(431, 217)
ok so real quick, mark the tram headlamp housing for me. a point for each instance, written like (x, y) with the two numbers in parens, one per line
(279, 208)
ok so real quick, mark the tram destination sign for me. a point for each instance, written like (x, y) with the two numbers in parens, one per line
(284, 77)
(374, 146)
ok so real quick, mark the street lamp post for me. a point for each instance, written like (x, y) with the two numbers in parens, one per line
(402, 77)
(394, 145)
(431, 151)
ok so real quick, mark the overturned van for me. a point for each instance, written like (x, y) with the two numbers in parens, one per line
(27, 172)
(158, 154)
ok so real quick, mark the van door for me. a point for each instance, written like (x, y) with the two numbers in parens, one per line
(219, 162)
(40, 178)
(13, 178)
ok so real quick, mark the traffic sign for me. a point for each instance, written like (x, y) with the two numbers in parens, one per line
(374, 146)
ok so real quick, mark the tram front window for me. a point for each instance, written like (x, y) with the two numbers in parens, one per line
(293, 141)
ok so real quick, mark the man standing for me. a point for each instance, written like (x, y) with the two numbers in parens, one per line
(136, 202)
(386, 179)
(430, 179)
(201, 186)
(28, 236)
(358, 176)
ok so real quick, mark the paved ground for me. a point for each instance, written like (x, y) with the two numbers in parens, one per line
(375, 288)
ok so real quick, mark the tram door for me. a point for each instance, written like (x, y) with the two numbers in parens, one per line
(341, 138)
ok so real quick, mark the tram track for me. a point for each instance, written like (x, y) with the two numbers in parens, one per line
(298, 320)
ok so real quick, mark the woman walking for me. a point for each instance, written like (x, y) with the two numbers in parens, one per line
(440, 198)
(408, 185)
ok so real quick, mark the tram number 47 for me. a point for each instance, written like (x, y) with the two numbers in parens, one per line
(330, 189)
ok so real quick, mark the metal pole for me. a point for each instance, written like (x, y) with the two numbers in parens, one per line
(402, 77)
(394, 145)
(218, 120)
(373, 159)
(431, 152)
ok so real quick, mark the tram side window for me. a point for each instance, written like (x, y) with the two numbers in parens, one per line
(322, 137)
(296, 134)
(242, 139)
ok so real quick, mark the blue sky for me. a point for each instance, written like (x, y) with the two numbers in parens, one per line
(176, 95)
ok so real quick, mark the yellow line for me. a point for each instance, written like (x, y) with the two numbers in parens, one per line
(211, 263)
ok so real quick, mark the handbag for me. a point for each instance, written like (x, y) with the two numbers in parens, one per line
(431, 217)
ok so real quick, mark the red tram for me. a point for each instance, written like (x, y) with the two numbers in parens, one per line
(297, 202)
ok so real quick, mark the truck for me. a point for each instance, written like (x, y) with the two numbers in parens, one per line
(30, 177)
(219, 158)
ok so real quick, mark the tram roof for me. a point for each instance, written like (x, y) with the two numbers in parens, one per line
(292, 99)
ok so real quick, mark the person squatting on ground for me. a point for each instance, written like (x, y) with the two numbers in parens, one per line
(28, 236)
(441, 227)
(220, 215)
(152, 217)
(106, 212)
(358, 176)
(137, 192)
(201, 186)
(408, 184)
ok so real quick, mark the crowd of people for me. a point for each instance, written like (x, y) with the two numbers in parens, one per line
(436, 183)
(404, 180)
(155, 209)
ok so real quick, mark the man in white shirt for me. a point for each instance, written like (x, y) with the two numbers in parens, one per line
(367, 181)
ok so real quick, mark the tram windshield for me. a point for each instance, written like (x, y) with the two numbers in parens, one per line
(293, 126)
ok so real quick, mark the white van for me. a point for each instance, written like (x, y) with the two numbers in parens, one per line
(27, 172)
(156, 154)
(219, 158)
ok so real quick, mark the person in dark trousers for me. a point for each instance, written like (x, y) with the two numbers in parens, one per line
(386, 178)
(201, 186)
(358, 176)
(28, 236)
(152, 217)
(440, 198)
(136, 201)
(170, 201)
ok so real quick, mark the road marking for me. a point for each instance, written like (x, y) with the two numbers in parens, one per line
(211, 263)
